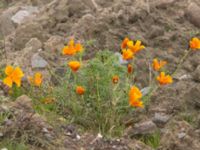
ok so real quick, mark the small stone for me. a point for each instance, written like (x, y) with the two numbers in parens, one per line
(23, 103)
(99, 135)
(156, 31)
(53, 44)
(185, 77)
(145, 90)
(193, 96)
(4, 148)
(160, 118)
(163, 3)
(143, 128)
(78, 137)
(192, 14)
(45, 130)
(6, 25)
(1, 134)
(196, 75)
(38, 62)
(181, 135)
(34, 43)
(21, 15)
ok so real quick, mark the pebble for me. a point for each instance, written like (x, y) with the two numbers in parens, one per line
(37, 62)
(160, 118)
(181, 135)
(143, 128)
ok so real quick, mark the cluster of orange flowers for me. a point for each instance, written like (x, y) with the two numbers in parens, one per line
(36, 80)
(162, 78)
(129, 49)
(15, 75)
(71, 49)
(135, 96)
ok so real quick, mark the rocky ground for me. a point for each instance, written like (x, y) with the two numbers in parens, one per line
(33, 33)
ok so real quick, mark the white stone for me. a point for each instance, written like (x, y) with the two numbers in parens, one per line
(38, 62)
(21, 15)
(145, 90)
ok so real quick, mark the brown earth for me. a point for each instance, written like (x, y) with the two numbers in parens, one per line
(164, 26)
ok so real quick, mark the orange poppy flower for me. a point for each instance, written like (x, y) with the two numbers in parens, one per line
(124, 43)
(36, 80)
(127, 54)
(79, 47)
(137, 103)
(130, 68)
(115, 79)
(74, 65)
(135, 47)
(164, 79)
(13, 75)
(157, 65)
(135, 96)
(195, 43)
(72, 48)
(80, 90)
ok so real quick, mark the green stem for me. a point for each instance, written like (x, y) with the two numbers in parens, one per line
(56, 76)
(181, 62)
(98, 95)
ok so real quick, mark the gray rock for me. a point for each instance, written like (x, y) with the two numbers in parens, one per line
(146, 90)
(162, 3)
(23, 103)
(196, 75)
(160, 118)
(192, 14)
(54, 43)
(156, 31)
(181, 135)
(24, 13)
(25, 32)
(6, 24)
(37, 62)
(193, 96)
(35, 44)
(143, 128)
(1, 134)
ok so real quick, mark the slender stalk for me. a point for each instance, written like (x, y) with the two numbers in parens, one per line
(53, 74)
(181, 62)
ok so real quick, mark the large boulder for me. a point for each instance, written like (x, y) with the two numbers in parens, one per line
(6, 25)
(192, 14)
(27, 31)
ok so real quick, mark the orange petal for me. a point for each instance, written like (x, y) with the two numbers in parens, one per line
(18, 72)
(8, 81)
(17, 81)
(9, 70)
(78, 47)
